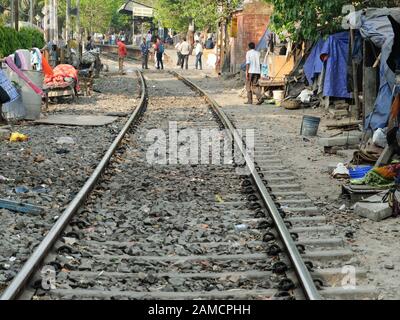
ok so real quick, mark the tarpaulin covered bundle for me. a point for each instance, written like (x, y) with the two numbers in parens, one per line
(62, 75)
(333, 53)
(374, 24)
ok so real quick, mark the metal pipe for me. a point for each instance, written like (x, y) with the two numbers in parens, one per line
(23, 277)
(300, 268)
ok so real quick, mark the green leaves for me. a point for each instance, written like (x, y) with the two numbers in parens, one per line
(177, 14)
(311, 19)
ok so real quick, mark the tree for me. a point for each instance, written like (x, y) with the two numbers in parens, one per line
(311, 19)
(179, 14)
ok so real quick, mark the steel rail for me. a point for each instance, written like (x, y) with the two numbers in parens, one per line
(300, 268)
(30, 267)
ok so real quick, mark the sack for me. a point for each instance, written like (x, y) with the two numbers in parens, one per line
(379, 138)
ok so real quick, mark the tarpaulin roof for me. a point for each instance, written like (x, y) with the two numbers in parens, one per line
(375, 25)
(334, 52)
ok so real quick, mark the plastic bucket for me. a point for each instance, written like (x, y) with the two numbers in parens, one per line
(310, 125)
(278, 95)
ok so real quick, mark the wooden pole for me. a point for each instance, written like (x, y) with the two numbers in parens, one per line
(16, 8)
(31, 6)
(12, 13)
(355, 78)
(68, 20)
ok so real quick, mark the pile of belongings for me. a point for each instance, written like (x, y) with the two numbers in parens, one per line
(387, 176)
(63, 75)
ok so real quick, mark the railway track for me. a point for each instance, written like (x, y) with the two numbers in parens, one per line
(139, 229)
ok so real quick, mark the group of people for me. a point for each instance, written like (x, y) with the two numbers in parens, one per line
(158, 48)
(184, 49)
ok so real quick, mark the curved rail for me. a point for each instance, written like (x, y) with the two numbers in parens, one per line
(23, 277)
(300, 268)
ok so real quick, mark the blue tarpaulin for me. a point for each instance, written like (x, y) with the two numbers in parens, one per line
(375, 25)
(333, 52)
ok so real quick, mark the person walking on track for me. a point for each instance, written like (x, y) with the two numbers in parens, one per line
(122, 54)
(253, 74)
(145, 54)
(185, 52)
(199, 55)
(159, 48)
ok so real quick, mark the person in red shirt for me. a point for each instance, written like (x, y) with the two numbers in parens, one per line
(122, 53)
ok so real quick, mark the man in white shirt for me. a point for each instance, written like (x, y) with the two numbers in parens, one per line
(185, 52)
(199, 54)
(178, 51)
(253, 74)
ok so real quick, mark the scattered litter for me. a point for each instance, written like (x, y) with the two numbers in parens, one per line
(66, 140)
(241, 227)
(69, 241)
(341, 172)
(305, 96)
(18, 137)
(343, 207)
(20, 207)
(62, 151)
(389, 266)
(41, 189)
(219, 198)
(12, 259)
(21, 189)
(4, 179)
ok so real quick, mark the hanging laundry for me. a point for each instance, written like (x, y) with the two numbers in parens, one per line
(22, 60)
(36, 59)
(47, 69)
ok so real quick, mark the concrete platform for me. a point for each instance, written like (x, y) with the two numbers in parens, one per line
(77, 120)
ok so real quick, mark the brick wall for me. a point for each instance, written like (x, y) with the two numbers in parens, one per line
(252, 23)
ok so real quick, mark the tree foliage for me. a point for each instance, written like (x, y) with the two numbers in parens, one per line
(311, 19)
(178, 14)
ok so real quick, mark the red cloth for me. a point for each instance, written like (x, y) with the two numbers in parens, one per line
(122, 51)
(47, 69)
(61, 72)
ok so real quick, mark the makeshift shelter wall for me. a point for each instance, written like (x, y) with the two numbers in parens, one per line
(375, 25)
(252, 22)
(331, 54)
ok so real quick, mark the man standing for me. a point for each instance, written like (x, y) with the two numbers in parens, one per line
(145, 54)
(159, 48)
(253, 74)
(199, 54)
(149, 37)
(185, 52)
(122, 53)
(178, 52)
